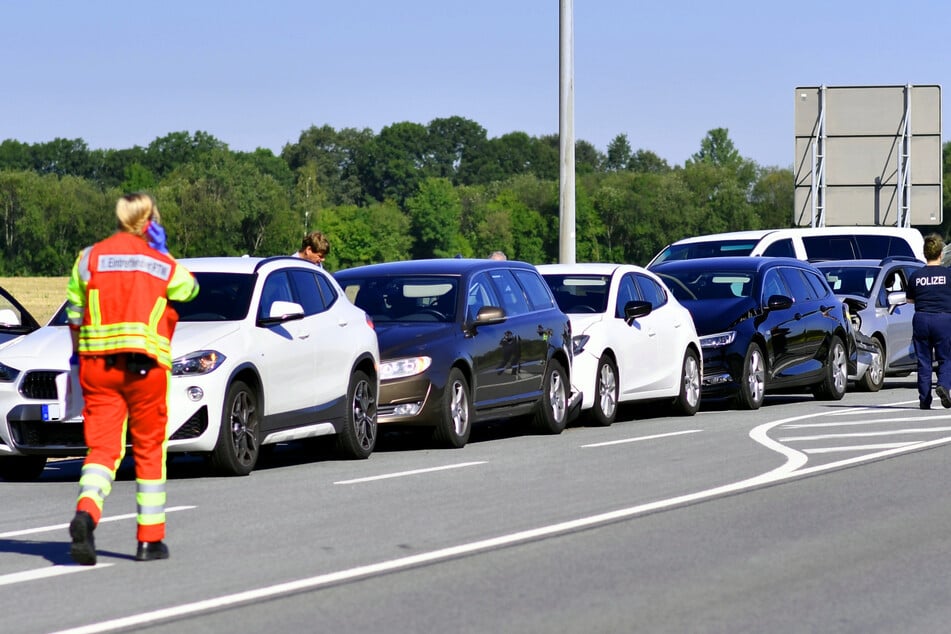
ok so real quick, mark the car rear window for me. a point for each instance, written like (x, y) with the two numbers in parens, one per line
(855, 247)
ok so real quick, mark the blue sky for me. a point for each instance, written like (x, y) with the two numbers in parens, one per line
(255, 74)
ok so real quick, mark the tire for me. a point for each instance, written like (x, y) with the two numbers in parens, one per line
(455, 420)
(688, 401)
(357, 436)
(239, 443)
(551, 415)
(832, 387)
(22, 468)
(606, 389)
(753, 379)
(874, 377)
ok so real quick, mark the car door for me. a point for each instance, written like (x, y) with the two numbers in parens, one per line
(530, 344)
(287, 351)
(900, 350)
(663, 331)
(806, 326)
(781, 328)
(327, 342)
(493, 348)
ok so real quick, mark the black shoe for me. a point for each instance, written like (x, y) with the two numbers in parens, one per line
(923, 405)
(942, 393)
(83, 548)
(147, 551)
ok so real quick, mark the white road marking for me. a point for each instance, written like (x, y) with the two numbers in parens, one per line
(874, 408)
(400, 474)
(909, 419)
(59, 527)
(893, 432)
(46, 573)
(791, 469)
(887, 445)
(639, 438)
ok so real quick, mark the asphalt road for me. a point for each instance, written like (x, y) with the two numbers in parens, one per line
(804, 516)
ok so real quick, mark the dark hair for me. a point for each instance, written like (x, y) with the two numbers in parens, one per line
(934, 245)
(317, 242)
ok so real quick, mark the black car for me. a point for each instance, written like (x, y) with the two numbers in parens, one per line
(764, 324)
(465, 340)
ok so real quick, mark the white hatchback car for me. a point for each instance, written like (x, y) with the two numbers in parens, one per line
(632, 339)
(270, 350)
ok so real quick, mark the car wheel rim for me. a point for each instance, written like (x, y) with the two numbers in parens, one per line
(364, 408)
(556, 397)
(460, 408)
(840, 368)
(876, 371)
(756, 381)
(607, 395)
(244, 428)
(692, 381)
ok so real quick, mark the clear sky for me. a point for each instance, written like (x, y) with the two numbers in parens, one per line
(256, 74)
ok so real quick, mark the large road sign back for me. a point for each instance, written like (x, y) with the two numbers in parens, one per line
(868, 155)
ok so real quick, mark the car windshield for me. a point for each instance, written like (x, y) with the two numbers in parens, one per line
(709, 284)
(711, 249)
(580, 293)
(221, 297)
(851, 280)
(410, 298)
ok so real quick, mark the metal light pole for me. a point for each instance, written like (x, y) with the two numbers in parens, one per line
(566, 132)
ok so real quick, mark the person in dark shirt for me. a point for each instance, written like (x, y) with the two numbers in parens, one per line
(929, 289)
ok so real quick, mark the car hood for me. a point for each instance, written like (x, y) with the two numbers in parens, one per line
(400, 340)
(199, 335)
(581, 323)
(49, 347)
(717, 315)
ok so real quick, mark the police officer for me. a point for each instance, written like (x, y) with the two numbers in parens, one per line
(929, 289)
(122, 325)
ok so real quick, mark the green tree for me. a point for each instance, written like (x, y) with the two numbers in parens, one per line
(434, 213)
(619, 154)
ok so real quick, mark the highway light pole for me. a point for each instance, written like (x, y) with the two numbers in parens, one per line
(566, 132)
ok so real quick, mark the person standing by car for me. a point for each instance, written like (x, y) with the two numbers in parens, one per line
(929, 289)
(122, 326)
(314, 247)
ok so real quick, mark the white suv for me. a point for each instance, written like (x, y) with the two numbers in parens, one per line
(271, 350)
(803, 243)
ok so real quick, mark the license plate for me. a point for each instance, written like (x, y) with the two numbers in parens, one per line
(52, 412)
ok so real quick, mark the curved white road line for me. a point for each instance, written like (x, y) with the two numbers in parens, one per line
(793, 468)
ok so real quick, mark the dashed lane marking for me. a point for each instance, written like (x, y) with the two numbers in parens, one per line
(639, 438)
(401, 474)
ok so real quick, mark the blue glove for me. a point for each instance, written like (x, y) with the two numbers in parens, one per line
(156, 236)
(74, 360)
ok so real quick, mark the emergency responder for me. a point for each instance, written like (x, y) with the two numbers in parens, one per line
(122, 325)
(929, 289)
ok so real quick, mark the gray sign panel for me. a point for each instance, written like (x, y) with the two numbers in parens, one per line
(868, 155)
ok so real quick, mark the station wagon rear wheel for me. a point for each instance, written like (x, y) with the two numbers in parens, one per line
(239, 445)
(551, 415)
(455, 420)
(753, 379)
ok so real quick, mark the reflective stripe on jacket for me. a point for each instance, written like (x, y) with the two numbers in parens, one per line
(118, 294)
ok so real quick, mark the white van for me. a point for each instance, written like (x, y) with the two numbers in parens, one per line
(804, 243)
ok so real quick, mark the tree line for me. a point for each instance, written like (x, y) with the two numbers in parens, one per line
(409, 191)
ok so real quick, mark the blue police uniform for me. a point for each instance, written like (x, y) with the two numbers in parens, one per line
(930, 288)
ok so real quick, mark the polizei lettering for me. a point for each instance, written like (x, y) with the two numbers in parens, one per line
(934, 280)
(132, 263)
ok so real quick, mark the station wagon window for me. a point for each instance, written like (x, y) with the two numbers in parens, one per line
(513, 299)
(800, 288)
(820, 288)
(773, 285)
(651, 291)
(538, 294)
(480, 294)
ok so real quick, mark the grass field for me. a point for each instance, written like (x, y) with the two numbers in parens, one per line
(40, 295)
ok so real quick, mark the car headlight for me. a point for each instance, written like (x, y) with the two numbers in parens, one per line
(197, 363)
(578, 343)
(8, 374)
(718, 340)
(402, 368)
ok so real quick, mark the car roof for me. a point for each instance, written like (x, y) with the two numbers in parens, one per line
(867, 263)
(759, 234)
(734, 263)
(436, 266)
(237, 264)
(586, 268)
